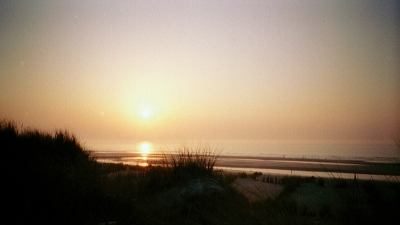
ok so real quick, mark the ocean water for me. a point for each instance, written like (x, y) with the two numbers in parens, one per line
(352, 151)
(130, 152)
(257, 156)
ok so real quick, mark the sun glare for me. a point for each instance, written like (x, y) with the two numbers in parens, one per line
(147, 109)
(145, 148)
(146, 113)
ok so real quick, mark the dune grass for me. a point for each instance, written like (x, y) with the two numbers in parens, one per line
(189, 162)
(49, 178)
(364, 201)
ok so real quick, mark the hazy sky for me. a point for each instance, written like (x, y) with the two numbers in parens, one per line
(202, 70)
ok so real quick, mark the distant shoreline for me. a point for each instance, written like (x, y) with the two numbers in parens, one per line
(315, 165)
(372, 167)
(327, 166)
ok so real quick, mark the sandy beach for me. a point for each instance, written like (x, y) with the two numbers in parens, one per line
(310, 165)
(277, 165)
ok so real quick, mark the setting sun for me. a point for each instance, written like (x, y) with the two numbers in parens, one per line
(145, 113)
(126, 108)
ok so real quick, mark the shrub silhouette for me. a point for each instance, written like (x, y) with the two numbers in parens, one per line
(47, 175)
(190, 163)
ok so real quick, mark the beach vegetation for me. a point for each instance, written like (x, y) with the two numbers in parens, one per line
(190, 162)
(321, 181)
(291, 183)
(255, 175)
(242, 174)
(50, 178)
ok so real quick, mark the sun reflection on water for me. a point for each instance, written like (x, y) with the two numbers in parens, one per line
(145, 148)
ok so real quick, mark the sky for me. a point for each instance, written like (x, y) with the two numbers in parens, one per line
(203, 70)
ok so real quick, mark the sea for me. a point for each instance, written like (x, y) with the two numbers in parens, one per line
(253, 154)
(110, 150)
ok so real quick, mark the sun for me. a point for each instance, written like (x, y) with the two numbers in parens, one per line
(146, 113)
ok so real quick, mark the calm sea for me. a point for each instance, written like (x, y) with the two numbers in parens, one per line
(349, 151)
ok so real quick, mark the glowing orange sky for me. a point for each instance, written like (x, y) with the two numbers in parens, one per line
(275, 70)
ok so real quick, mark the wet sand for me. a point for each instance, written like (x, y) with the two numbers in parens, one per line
(314, 165)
